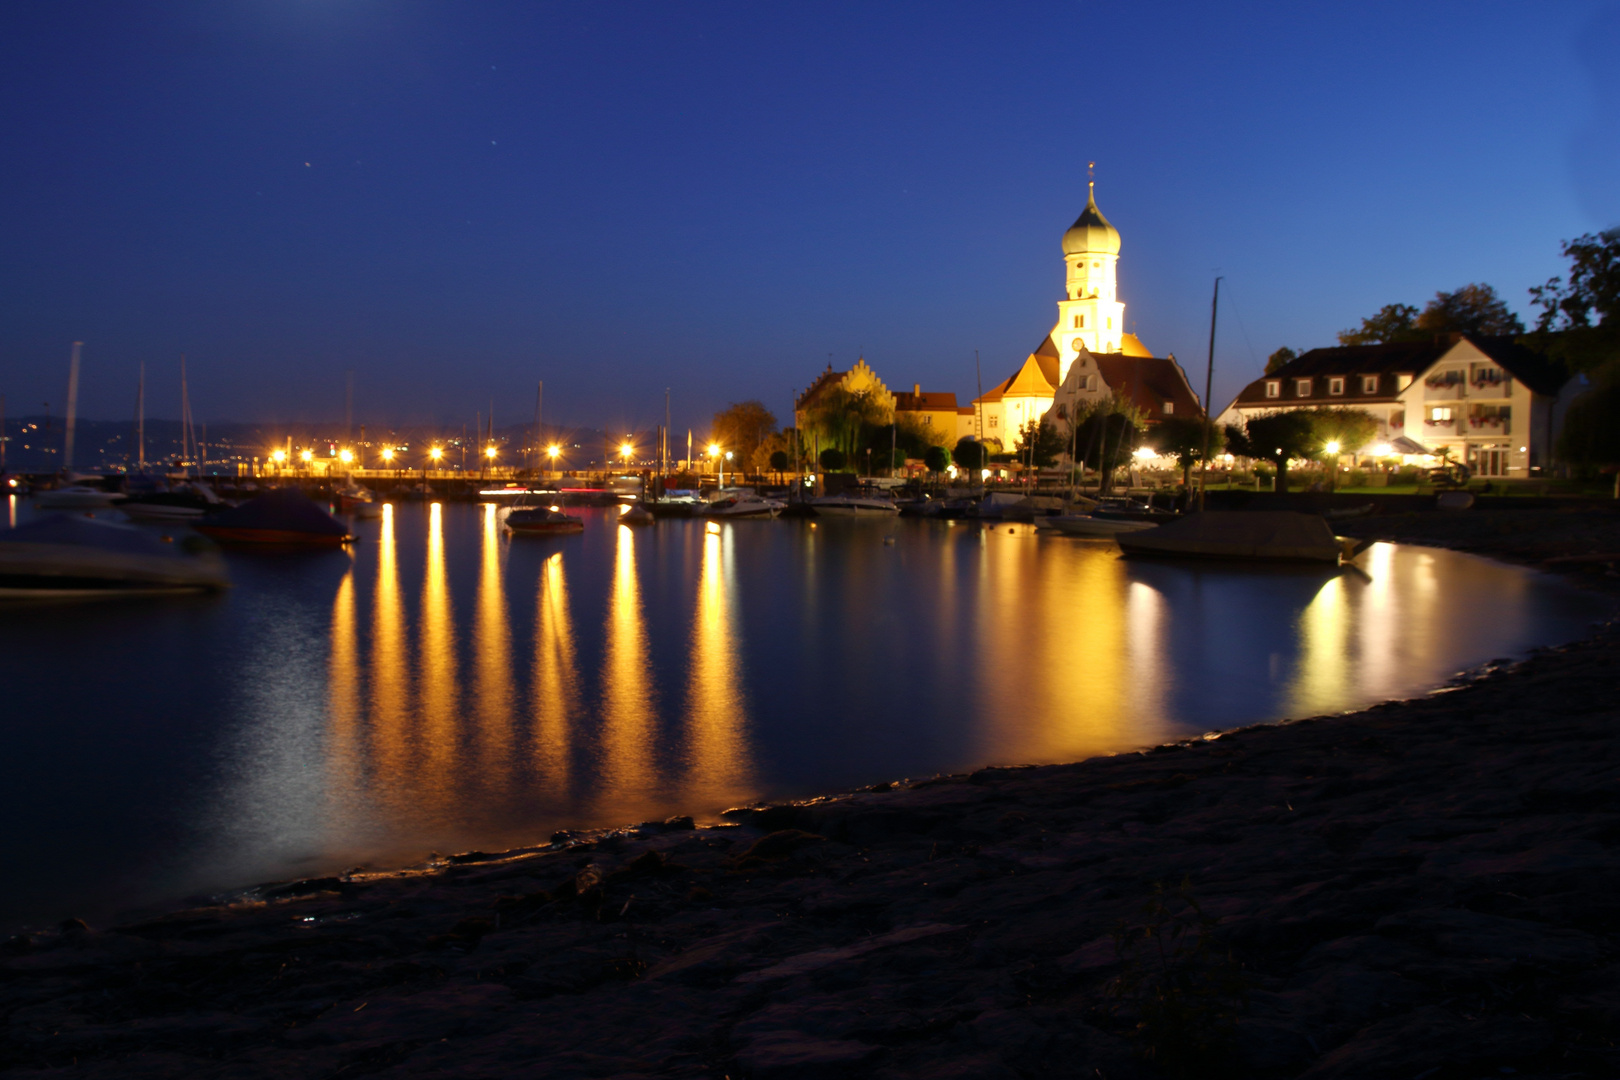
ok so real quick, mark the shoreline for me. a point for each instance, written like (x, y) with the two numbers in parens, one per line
(1430, 884)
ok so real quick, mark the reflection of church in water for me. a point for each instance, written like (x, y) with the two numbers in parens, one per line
(1088, 355)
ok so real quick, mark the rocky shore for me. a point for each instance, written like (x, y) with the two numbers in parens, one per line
(1427, 890)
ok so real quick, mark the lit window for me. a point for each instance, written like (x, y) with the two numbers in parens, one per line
(1336, 386)
(1302, 387)
(1441, 415)
(1169, 407)
(1369, 384)
(1273, 388)
(1081, 321)
(992, 421)
(1077, 322)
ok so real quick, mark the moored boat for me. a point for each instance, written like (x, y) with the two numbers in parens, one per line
(851, 505)
(1091, 525)
(1252, 536)
(70, 556)
(543, 521)
(282, 518)
(179, 503)
(744, 505)
(77, 497)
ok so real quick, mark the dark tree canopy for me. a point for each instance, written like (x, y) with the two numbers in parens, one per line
(1592, 296)
(742, 427)
(1275, 437)
(969, 453)
(779, 460)
(1351, 428)
(937, 458)
(832, 459)
(1181, 437)
(1047, 443)
(1591, 431)
(1392, 323)
(1283, 355)
(1472, 309)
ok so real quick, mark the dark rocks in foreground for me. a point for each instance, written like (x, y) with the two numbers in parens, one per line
(1426, 889)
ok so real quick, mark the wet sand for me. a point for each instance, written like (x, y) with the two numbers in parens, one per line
(1427, 888)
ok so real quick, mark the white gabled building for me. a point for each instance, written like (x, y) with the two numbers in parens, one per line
(1492, 402)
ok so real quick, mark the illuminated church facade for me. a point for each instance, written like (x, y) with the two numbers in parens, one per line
(1088, 355)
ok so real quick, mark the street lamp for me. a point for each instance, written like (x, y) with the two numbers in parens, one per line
(489, 456)
(551, 452)
(626, 449)
(1332, 447)
(388, 457)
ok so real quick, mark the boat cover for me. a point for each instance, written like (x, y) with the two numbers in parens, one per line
(75, 530)
(281, 510)
(1237, 534)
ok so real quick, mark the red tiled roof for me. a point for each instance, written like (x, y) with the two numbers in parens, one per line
(927, 401)
(1148, 382)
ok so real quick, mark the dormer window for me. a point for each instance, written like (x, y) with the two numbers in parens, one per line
(1273, 388)
(1336, 386)
(1369, 384)
(1302, 388)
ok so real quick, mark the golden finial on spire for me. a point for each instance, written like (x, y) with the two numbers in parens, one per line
(1091, 177)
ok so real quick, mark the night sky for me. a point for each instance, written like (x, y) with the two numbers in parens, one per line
(455, 199)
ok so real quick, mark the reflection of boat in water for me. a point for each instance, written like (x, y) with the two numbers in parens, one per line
(66, 556)
(285, 517)
(77, 497)
(1253, 536)
(359, 500)
(1092, 525)
(543, 521)
(744, 505)
(635, 514)
(853, 505)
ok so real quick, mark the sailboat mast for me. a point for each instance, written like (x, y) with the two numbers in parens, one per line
(539, 390)
(1209, 378)
(72, 408)
(185, 416)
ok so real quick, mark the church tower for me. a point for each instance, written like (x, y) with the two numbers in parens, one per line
(1090, 316)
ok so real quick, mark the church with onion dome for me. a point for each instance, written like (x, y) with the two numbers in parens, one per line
(1088, 355)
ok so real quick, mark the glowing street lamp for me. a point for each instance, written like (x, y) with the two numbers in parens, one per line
(345, 456)
(388, 453)
(626, 449)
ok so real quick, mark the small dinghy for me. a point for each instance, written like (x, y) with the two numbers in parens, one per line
(1251, 536)
(66, 556)
(282, 518)
(543, 521)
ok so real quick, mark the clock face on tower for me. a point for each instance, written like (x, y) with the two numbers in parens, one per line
(1076, 342)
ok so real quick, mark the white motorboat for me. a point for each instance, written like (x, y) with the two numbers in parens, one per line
(744, 505)
(69, 556)
(77, 497)
(182, 502)
(1088, 525)
(857, 506)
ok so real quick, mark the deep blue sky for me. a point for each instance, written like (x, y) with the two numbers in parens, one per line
(455, 199)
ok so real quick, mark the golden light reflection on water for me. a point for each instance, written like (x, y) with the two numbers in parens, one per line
(718, 766)
(1322, 672)
(343, 686)
(390, 663)
(628, 708)
(493, 658)
(556, 703)
(438, 689)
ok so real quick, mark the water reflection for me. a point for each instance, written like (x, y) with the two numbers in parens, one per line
(626, 744)
(718, 770)
(493, 661)
(555, 708)
(331, 711)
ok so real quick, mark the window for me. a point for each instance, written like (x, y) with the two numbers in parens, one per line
(1369, 384)
(1302, 388)
(1080, 321)
(1169, 407)
(992, 421)
(1336, 385)
(1077, 322)
(928, 421)
(1273, 388)
(1440, 415)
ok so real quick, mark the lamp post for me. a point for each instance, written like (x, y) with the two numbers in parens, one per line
(308, 458)
(434, 454)
(489, 457)
(714, 454)
(1332, 447)
(551, 452)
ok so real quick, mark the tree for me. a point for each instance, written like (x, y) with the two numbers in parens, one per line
(1392, 323)
(1472, 309)
(1104, 433)
(1350, 428)
(779, 462)
(1283, 355)
(1275, 437)
(969, 453)
(843, 419)
(833, 459)
(1591, 431)
(742, 427)
(937, 458)
(1047, 443)
(1579, 323)
(1181, 437)
(1593, 289)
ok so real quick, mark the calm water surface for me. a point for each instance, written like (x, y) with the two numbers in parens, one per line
(442, 686)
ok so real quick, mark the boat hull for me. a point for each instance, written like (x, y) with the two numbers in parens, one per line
(549, 528)
(1100, 528)
(43, 571)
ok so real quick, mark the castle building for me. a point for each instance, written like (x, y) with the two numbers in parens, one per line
(1088, 355)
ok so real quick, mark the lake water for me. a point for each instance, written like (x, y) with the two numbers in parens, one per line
(443, 687)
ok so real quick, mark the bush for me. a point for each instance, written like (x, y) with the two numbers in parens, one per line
(832, 459)
(1356, 478)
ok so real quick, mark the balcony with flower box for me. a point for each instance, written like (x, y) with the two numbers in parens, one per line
(1445, 386)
